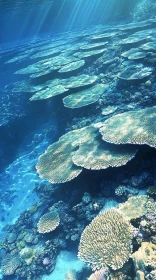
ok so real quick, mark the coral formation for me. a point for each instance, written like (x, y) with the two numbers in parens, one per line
(48, 222)
(151, 190)
(63, 160)
(144, 9)
(56, 165)
(84, 97)
(99, 274)
(109, 110)
(104, 239)
(122, 190)
(91, 53)
(72, 66)
(144, 260)
(49, 92)
(96, 154)
(135, 72)
(10, 263)
(134, 207)
(79, 81)
(27, 254)
(70, 275)
(133, 127)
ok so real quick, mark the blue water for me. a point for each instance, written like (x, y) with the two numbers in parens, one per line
(29, 32)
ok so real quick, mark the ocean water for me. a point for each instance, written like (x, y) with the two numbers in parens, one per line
(77, 139)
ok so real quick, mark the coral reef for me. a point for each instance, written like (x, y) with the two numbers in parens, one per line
(105, 76)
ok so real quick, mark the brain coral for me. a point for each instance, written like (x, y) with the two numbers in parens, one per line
(103, 240)
(48, 222)
(133, 127)
(9, 264)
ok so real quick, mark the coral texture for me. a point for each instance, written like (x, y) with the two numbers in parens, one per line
(104, 239)
(134, 207)
(64, 160)
(70, 275)
(48, 222)
(98, 275)
(56, 165)
(9, 264)
(133, 127)
(84, 97)
(144, 258)
(27, 254)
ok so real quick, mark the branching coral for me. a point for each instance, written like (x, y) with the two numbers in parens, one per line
(104, 239)
(125, 190)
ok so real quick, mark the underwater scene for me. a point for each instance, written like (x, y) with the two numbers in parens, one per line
(77, 140)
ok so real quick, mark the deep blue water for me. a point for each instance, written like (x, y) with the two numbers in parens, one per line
(23, 19)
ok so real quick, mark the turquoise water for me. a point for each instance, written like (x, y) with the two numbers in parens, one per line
(77, 140)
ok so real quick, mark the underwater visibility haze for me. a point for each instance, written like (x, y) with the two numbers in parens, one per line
(77, 140)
